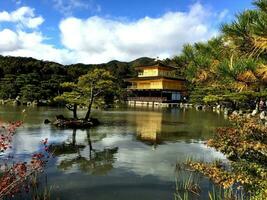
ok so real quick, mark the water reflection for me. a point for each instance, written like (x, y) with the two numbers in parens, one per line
(149, 127)
(174, 125)
(96, 162)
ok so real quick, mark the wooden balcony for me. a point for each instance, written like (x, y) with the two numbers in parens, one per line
(148, 99)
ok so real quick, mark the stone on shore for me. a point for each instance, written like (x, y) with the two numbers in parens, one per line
(199, 107)
(254, 112)
(263, 115)
(235, 113)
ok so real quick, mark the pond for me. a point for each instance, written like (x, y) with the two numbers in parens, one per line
(131, 155)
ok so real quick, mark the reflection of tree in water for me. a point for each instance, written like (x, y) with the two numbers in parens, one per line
(98, 162)
(61, 149)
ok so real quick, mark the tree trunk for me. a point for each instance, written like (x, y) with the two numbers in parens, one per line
(75, 116)
(87, 116)
(89, 144)
(74, 137)
(73, 109)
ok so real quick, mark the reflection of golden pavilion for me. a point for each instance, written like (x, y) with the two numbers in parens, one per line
(149, 126)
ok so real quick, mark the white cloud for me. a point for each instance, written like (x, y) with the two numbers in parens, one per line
(9, 40)
(23, 16)
(32, 44)
(99, 39)
(21, 43)
(29, 42)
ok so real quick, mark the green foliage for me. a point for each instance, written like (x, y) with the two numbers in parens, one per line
(213, 96)
(72, 97)
(208, 94)
(96, 82)
(232, 68)
(248, 31)
(245, 144)
(90, 86)
(8, 87)
(20, 75)
(30, 92)
(208, 99)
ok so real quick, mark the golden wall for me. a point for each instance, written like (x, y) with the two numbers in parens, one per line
(161, 84)
(155, 84)
(150, 72)
(174, 85)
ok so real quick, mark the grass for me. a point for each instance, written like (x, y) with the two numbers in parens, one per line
(188, 186)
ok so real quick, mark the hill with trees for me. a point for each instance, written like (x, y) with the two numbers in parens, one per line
(33, 79)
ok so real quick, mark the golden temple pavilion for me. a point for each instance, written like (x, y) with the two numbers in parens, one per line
(156, 85)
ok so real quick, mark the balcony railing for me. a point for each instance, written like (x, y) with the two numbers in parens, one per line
(157, 87)
(159, 73)
(148, 99)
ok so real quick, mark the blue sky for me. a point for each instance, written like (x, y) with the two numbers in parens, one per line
(95, 31)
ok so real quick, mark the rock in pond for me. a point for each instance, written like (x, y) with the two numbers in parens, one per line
(47, 121)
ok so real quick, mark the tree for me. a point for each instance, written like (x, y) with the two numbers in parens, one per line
(248, 31)
(235, 62)
(239, 73)
(95, 83)
(7, 87)
(90, 86)
(30, 92)
(199, 62)
(71, 98)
